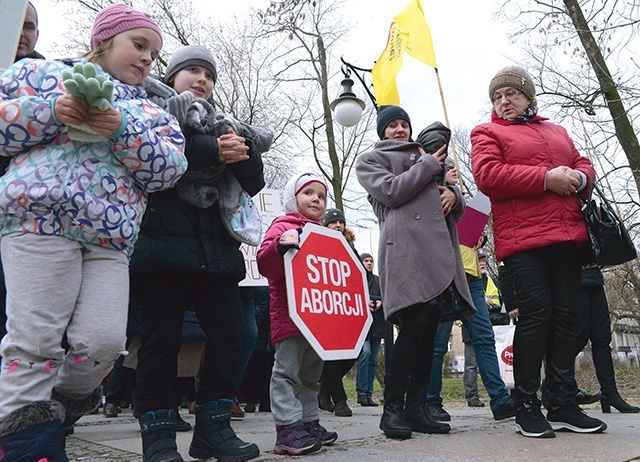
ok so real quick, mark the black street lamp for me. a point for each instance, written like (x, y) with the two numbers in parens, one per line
(347, 108)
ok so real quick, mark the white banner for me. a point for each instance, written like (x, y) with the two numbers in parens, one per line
(269, 203)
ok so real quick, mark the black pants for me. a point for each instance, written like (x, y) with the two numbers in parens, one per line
(546, 283)
(594, 324)
(122, 384)
(332, 374)
(164, 297)
(413, 349)
(255, 384)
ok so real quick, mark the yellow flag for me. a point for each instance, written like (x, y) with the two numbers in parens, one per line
(419, 44)
(408, 32)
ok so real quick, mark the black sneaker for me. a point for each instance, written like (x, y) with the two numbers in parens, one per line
(438, 413)
(571, 417)
(531, 423)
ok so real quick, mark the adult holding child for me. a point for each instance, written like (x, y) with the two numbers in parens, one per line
(421, 271)
(534, 176)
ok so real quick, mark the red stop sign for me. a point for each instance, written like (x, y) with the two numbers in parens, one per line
(328, 294)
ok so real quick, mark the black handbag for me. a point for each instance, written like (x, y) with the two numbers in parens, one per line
(610, 241)
(452, 306)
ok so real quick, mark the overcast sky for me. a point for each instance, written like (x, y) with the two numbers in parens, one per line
(470, 46)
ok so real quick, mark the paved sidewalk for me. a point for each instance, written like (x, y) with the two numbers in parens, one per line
(475, 436)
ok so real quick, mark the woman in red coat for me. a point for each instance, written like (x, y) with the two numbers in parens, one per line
(534, 175)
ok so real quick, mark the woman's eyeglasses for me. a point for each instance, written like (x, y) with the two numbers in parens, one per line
(509, 94)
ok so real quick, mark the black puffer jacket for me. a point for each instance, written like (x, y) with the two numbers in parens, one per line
(177, 236)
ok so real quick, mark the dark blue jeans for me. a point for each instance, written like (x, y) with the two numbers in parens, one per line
(367, 366)
(546, 283)
(483, 340)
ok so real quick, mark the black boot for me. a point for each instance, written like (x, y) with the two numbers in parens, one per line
(33, 432)
(181, 424)
(583, 398)
(158, 430)
(393, 422)
(324, 400)
(615, 400)
(416, 414)
(214, 437)
(75, 408)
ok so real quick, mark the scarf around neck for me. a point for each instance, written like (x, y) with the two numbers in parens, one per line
(528, 114)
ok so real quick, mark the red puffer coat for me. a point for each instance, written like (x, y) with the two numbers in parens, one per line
(510, 161)
(271, 266)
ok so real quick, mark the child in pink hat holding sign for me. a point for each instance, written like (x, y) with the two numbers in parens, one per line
(297, 368)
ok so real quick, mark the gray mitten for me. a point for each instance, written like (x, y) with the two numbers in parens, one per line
(158, 92)
(221, 125)
(262, 138)
(201, 117)
(179, 105)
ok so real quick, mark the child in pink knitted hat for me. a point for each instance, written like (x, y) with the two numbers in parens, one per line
(70, 212)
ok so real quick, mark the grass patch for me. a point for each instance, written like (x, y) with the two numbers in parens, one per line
(452, 389)
(627, 379)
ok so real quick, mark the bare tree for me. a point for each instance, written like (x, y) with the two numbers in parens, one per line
(312, 29)
(623, 292)
(583, 63)
(246, 87)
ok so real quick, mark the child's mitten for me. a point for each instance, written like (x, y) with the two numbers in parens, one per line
(84, 81)
(201, 117)
(289, 240)
(179, 105)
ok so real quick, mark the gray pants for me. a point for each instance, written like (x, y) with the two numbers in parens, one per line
(470, 376)
(56, 285)
(294, 382)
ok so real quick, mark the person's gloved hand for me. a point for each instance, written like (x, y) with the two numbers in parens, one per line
(290, 239)
(259, 137)
(179, 105)
(201, 117)
(86, 82)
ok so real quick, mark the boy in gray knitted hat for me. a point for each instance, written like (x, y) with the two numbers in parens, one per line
(188, 97)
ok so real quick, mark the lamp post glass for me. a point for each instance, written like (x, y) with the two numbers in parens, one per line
(348, 112)
(347, 107)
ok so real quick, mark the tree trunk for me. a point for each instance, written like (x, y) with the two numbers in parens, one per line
(336, 180)
(624, 130)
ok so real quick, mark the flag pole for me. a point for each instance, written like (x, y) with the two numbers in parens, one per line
(451, 143)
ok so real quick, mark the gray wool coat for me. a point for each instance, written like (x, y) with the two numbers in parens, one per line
(418, 253)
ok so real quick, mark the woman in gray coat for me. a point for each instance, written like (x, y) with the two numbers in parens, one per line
(421, 273)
